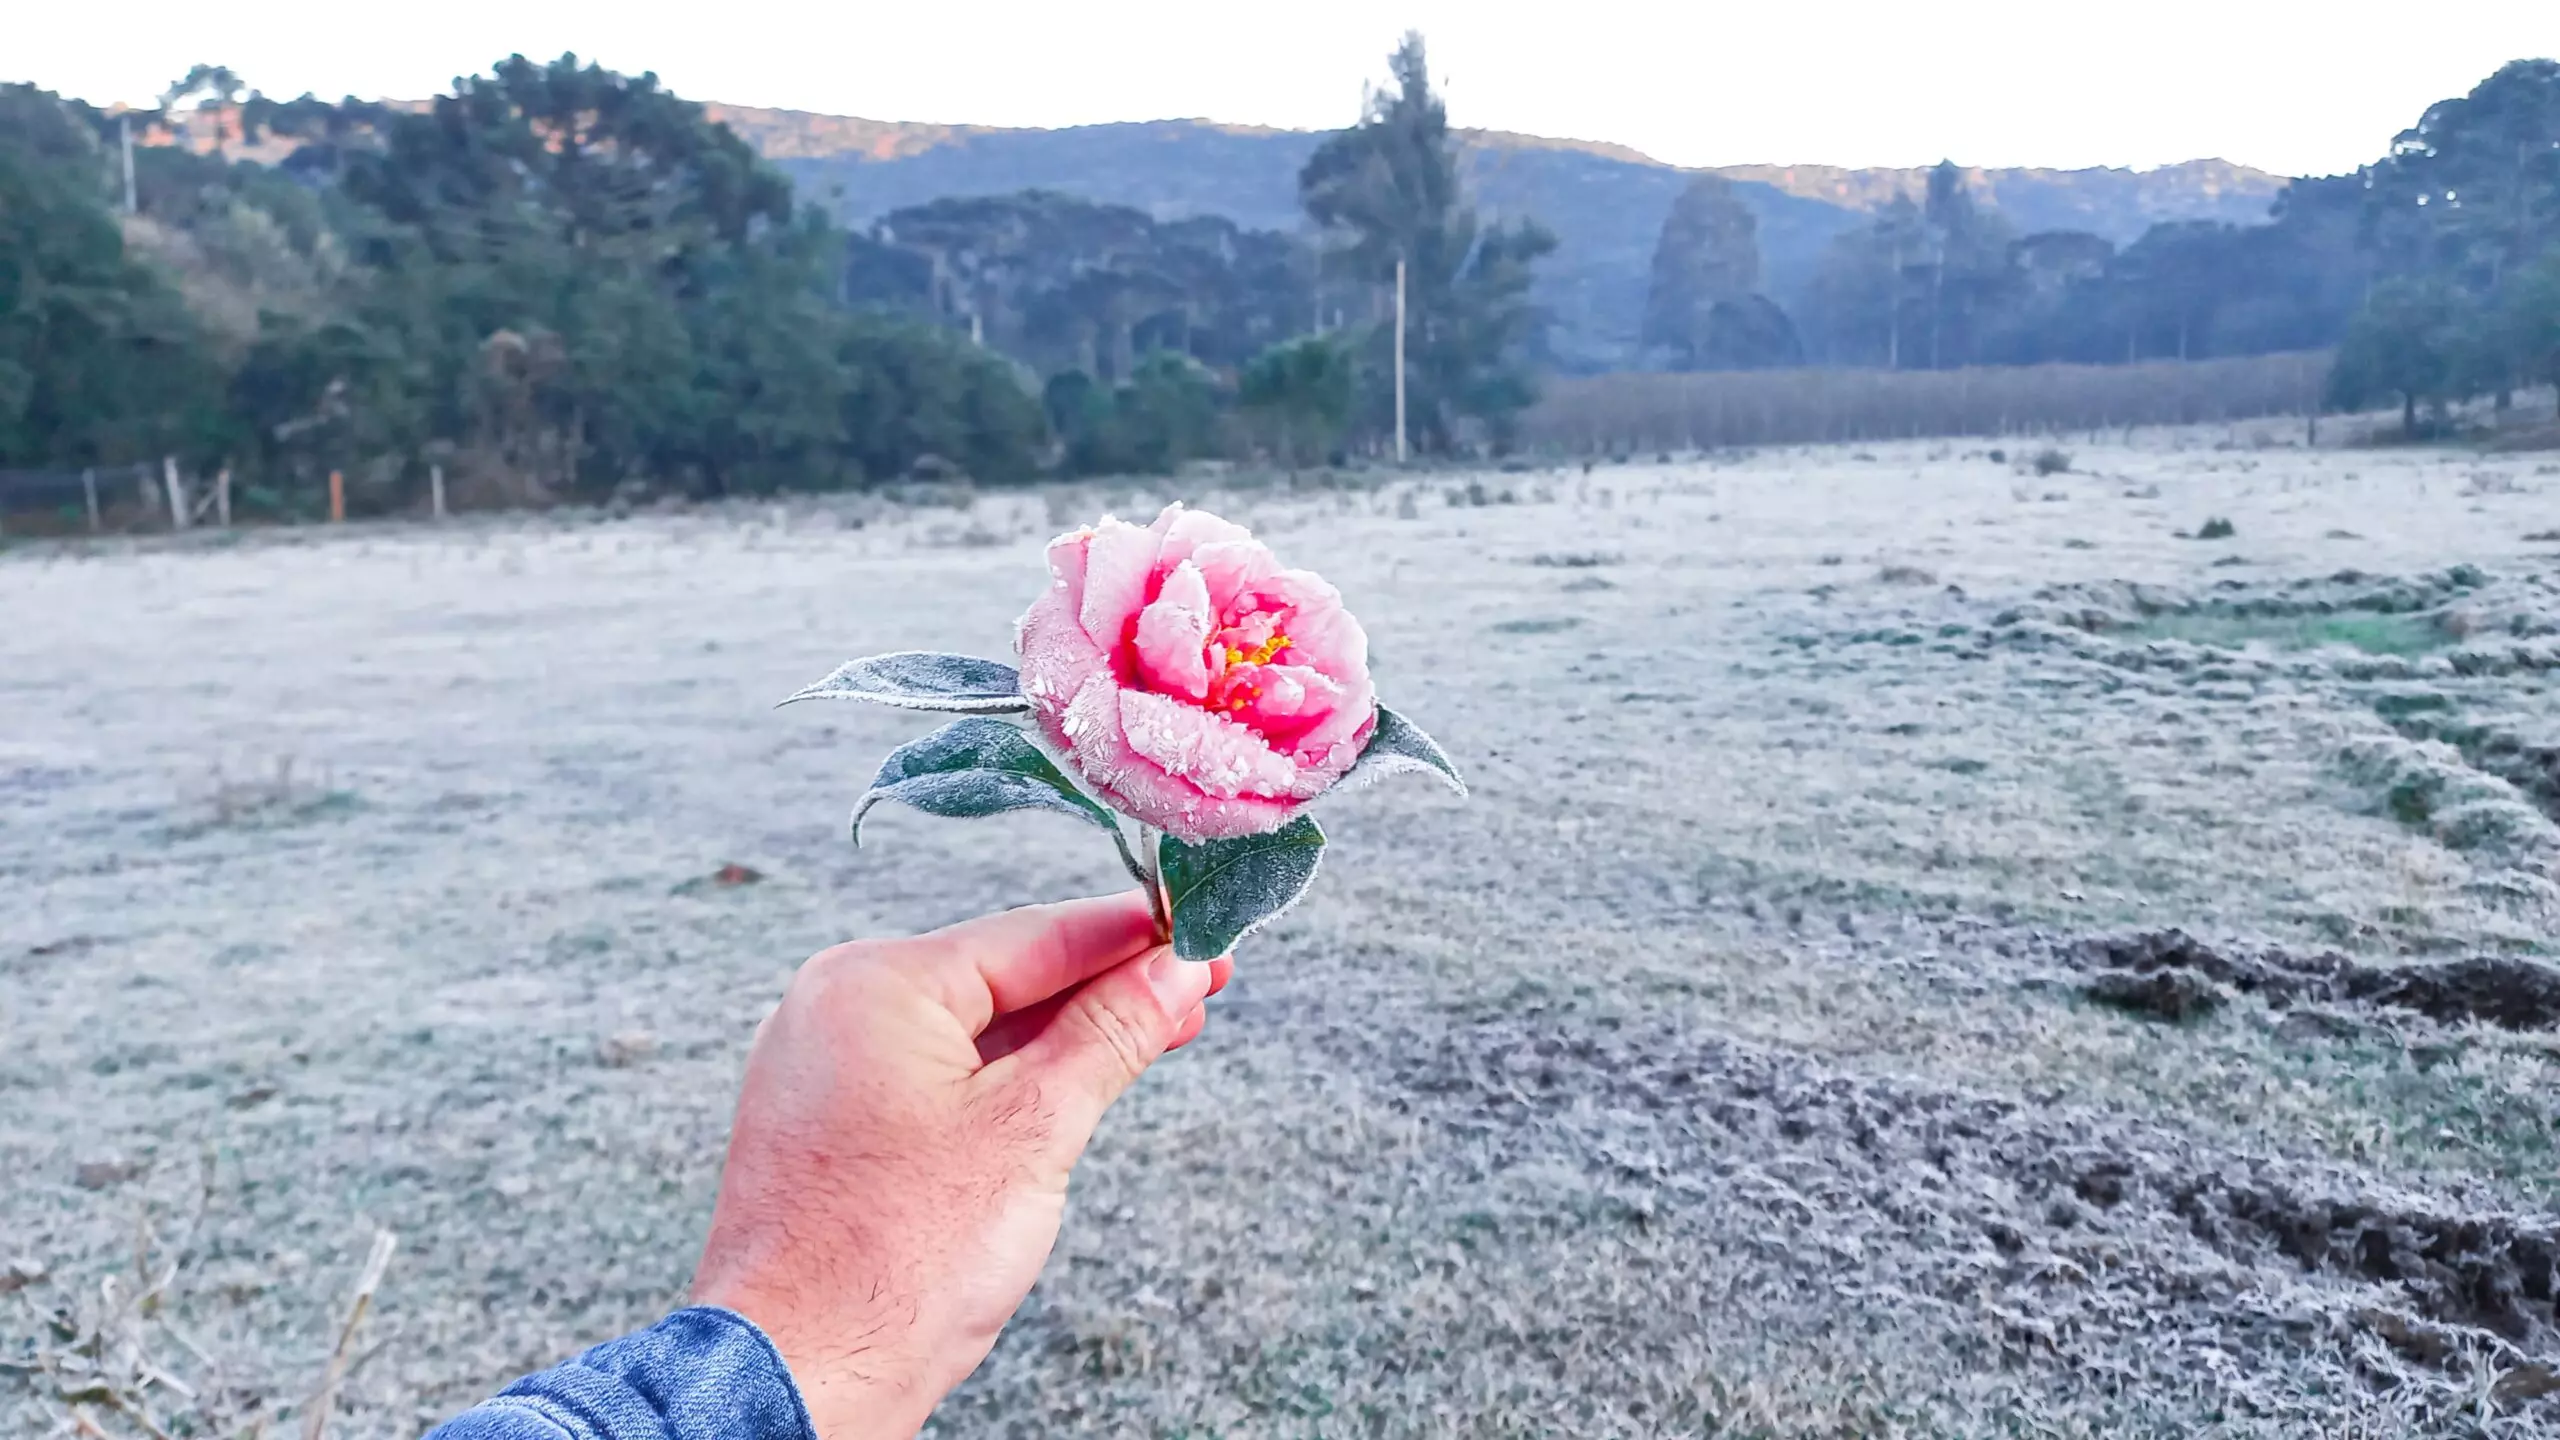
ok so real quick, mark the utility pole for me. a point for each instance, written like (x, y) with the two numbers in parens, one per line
(1937, 296)
(124, 133)
(1400, 445)
(1893, 309)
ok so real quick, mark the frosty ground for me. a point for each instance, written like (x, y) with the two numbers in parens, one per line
(1782, 1040)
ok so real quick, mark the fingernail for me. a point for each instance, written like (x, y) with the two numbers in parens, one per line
(1180, 984)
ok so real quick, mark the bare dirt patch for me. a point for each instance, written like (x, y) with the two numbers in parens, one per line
(2175, 976)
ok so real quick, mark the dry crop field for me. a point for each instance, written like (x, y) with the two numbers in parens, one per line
(1787, 1038)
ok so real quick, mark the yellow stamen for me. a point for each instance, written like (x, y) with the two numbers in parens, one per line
(1260, 654)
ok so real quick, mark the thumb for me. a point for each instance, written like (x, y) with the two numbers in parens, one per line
(1106, 1035)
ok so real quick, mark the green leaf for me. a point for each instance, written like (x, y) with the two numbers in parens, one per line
(1397, 744)
(923, 680)
(1223, 890)
(976, 767)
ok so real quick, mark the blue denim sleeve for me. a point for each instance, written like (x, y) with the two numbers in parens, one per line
(700, 1374)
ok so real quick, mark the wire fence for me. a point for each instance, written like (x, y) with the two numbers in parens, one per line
(1596, 414)
(123, 499)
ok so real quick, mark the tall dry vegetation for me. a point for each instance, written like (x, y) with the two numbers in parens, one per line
(1769, 407)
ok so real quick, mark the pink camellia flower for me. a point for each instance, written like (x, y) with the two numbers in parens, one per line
(1199, 686)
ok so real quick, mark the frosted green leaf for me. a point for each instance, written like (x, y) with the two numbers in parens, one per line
(1397, 744)
(924, 680)
(976, 767)
(1223, 890)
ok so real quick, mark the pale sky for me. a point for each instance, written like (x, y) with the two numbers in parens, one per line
(2300, 86)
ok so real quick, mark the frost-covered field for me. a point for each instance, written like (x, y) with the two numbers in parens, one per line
(1749, 1055)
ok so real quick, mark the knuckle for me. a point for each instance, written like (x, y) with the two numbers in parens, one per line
(837, 961)
(840, 968)
(1126, 1038)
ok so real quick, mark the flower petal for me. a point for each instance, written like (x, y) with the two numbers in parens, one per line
(1326, 750)
(1069, 555)
(1057, 656)
(1092, 737)
(1185, 530)
(1321, 632)
(1232, 568)
(1173, 634)
(1223, 759)
(1119, 566)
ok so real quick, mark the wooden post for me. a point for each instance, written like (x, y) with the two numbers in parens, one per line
(222, 497)
(435, 490)
(1400, 446)
(178, 517)
(337, 497)
(89, 492)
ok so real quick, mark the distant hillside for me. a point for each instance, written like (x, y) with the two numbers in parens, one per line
(2118, 204)
(1605, 202)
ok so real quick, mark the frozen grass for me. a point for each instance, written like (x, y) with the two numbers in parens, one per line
(2372, 634)
(1718, 1068)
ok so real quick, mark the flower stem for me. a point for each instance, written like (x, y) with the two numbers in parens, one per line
(1146, 872)
(1151, 856)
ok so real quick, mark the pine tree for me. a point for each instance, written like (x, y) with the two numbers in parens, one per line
(1386, 192)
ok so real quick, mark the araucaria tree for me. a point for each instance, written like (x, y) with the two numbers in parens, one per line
(1704, 309)
(2465, 216)
(1387, 191)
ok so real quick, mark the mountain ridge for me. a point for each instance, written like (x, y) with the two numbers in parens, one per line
(1604, 201)
(784, 134)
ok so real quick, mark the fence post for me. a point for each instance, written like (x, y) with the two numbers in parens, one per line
(222, 498)
(178, 517)
(337, 497)
(435, 490)
(89, 493)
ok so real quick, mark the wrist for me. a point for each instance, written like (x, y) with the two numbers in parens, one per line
(857, 1382)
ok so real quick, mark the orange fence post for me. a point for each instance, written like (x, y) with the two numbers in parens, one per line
(337, 497)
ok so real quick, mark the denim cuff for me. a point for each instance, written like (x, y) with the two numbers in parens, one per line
(702, 1373)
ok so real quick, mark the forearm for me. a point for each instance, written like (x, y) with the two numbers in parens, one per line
(700, 1374)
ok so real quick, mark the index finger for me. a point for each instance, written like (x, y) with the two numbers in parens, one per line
(1000, 963)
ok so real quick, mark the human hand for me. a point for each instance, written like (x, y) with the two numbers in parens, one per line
(911, 1112)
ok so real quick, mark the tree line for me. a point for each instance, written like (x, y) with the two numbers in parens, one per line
(1941, 281)
(2433, 270)
(560, 282)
